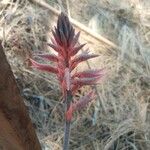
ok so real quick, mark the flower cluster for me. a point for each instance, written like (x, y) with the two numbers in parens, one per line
(65, 43)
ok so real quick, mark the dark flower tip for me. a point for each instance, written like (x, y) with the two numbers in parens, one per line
(64, 30)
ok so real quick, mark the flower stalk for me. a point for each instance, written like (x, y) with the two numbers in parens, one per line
(67, 121)
(65, 43)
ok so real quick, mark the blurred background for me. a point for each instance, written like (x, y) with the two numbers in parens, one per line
(117, 30)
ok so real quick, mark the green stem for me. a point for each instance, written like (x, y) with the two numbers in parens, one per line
(67, 123)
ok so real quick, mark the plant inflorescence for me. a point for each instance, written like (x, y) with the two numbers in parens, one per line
(65, 43)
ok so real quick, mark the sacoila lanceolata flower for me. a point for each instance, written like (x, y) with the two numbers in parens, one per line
(65, 43)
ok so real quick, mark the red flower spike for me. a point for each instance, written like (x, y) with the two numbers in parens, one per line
(64, 42)
(83, 101)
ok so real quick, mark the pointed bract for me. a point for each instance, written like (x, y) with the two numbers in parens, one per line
(79, 105)
(50, 57)
(69, 113)
(67, 79)
(75, 50)
(89, 73)
(83, 101)
(86, 81)
(43, 67)
(81, 58)
(64, 42)
(74, 40)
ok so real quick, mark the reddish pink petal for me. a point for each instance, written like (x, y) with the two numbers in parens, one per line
(75, 50)
(43, 67)
(83, 101)
(58, 49)
(50, 57)
(54, 47)
(69, 113)
(89, 73)
(80, 58)
(78, 83)
(86, 81)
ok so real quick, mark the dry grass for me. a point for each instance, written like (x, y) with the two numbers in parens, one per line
(120, 117)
